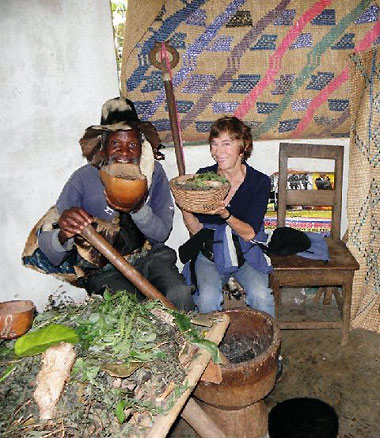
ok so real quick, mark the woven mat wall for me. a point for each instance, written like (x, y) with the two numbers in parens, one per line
(363, 204)
(281, 66)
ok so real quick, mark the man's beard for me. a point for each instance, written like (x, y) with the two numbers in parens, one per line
(112, 160)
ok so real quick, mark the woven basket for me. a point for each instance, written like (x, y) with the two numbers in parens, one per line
(197, 201)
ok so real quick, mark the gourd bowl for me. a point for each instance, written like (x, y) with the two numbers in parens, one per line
(125, 185)
(16, 318)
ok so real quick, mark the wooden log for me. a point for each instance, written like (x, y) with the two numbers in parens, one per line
(318, 294)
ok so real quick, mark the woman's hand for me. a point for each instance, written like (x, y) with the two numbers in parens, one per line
(243, 229)
(221, 211)
(71, 222)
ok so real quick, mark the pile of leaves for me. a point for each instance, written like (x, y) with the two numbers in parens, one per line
(128, 368)
(203, 181)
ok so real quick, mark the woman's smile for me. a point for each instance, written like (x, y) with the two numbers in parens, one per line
(226, 152)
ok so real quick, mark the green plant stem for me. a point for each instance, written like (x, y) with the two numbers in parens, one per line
(7, 372)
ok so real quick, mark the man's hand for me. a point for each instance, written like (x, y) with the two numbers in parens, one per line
(71, 222)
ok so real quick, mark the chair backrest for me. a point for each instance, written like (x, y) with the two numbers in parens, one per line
(331, 197)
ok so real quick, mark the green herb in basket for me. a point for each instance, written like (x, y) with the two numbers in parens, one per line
(204, 181)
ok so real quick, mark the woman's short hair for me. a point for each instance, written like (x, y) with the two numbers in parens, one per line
(237, 129)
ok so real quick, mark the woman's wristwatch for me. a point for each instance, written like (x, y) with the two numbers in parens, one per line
(228, 217)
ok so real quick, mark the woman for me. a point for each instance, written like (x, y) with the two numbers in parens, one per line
(228, 247)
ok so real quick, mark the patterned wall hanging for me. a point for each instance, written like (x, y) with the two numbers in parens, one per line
(363, 203)
(279, 65)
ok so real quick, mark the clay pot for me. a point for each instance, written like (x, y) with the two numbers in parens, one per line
(125, 185)
(16, 318)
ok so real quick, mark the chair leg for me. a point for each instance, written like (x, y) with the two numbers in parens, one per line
(346, 310)
(275, 285)
(327, 292)
(328, 296)
(318, 294)
(338, 298)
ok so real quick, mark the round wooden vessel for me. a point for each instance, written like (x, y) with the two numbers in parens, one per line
(16, 318)
(125, 185)
(236, 404)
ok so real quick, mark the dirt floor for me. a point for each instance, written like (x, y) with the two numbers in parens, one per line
(317, 366)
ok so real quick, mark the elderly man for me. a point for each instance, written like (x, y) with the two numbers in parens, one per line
(138, 234)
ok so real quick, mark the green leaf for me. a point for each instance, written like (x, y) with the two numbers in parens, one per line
(188, 331)
(107, 296)
(119, 411)
(209, 346)
(183, 322)
(83, 371)
(40, 340)
(150, 337)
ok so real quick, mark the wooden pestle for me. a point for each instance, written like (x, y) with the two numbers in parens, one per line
(132, 274)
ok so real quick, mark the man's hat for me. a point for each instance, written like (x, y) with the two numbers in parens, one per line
(118, 114)
(118, 110)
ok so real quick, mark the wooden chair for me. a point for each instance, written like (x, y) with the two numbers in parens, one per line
(295, 271)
